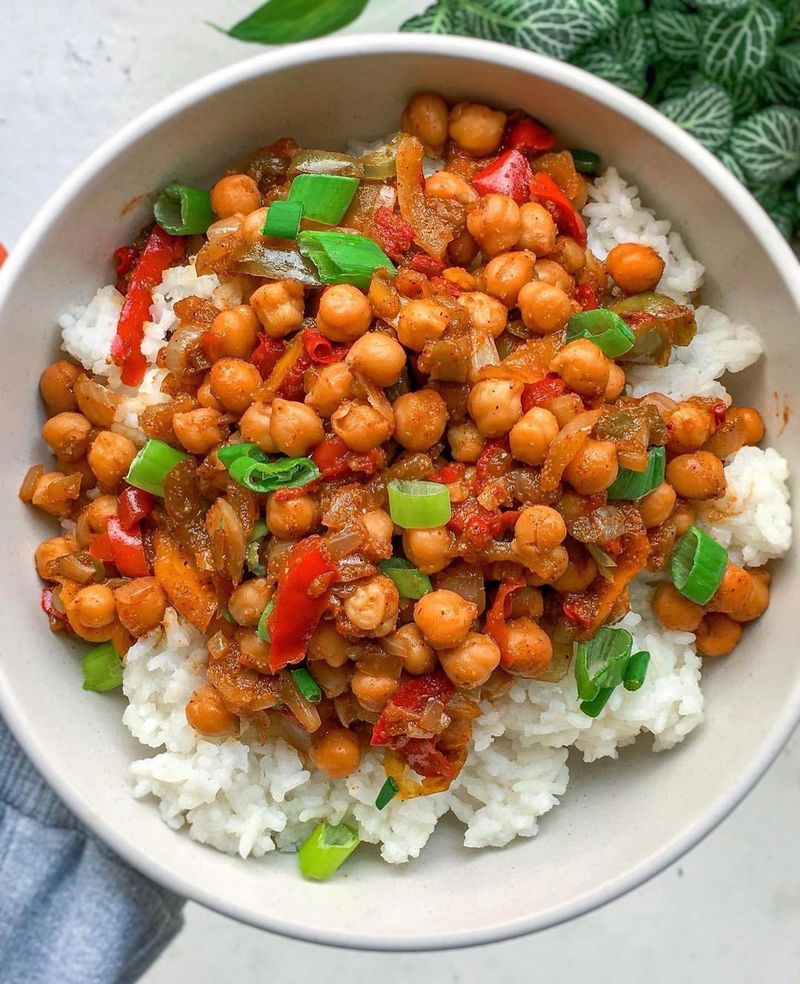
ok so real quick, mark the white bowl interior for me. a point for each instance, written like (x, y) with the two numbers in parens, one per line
(619, 821)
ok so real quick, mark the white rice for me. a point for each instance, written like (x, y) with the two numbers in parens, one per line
(249, 798)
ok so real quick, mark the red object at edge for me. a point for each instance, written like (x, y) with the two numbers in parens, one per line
(496, 625)
(529, 137)
(322, 350)
(395, 235)
(587, 298)
(508, 174)
(127, 549)
(331, 457)
(542, 391)
(566, 216)
(133, 505)
(266, 354)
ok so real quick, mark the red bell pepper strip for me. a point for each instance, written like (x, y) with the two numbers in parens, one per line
(133, 505)
(394, 234)
(496, 625)
(3, 254)
(587, 298)
(478, 525)
(100, 548)
(266, 354)
(127, 549)
(491, 458)
(160, 252)
(331, 457)
(321, 350)
(425, 758)
(302, 597)
(292, 387)
(124, 257)
(410, 699)
(508, 174)
(447, 474)
(541, 392)
(429, 265)
(567, 217)
(529, 137)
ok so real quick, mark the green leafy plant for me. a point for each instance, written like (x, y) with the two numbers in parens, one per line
(727, 71)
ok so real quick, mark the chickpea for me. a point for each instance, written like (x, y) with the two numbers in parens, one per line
(683, 516)
(374, 603)
(294, 427)
(415, 654)
(487, 314)
(288, 519)
(495, 405)
(361, 426)
(81, 467)
(751, 423)
(425, 117)
(583, 367)
(99, 511)
(462, 249)
(539, 528)
(531, 437)
(334, 680)
(48, 552)
(466, 443)
(420, 419)
(529, 650)
(429, 550)
(421, 321)
(742, 425)
(593, 468)
(550, 272)
(444, 618)
(734, 592)
(337, 753)
(634, 268)
(373, 693)
(569, 254)
(344, 313)
(460, 277)
(616, 382)
(53, 495)
(328, 646)
(495, 224)
(201, 430)
(237, 328)
(110, 457)
(675, 612)
(248, 601)
(141, 604)
(255, 651)
(377, 356)
(205, 397)
(656, 507)
(252, 224)
(581, 571)
(538, 229)
(697, 476)
(67, 434)
(332, 386)
(380, 529)
(471, 662)
(255, 424)
(507, 274)
(234, 383)
(207, 714)
(235, 194)
(57, 386)
(94, 606)
(745, 607)
(279, 307)
(689, 428)
(717, 635)
(476, 129)
(543, 307)
(445, 184)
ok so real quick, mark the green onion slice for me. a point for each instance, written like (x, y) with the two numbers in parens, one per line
(409, 580)
(697, 566)
(343, 257)
(585, 161)
(283, 220)
(307, 685)
(603, 327)
(636, 670)
(263, 629)
(152, 465)
(633, 485)
(102, 668)
(252, 553)
(182, 210)
(387, 793)
(593, 707)
(601, 661)
(323, 197)
(416, 505)
(266, 476)
(227, 614)
(231, 452)
(326, 850)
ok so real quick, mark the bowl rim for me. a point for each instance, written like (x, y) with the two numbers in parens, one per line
(335, 48)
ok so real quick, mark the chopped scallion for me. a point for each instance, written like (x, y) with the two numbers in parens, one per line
(283, 220)
(228, 616)
(585, 161)
(152, 465)
(253, 552)
(636, 670)
(323, 197)
(182, 210)
(228, 454)
(416, 505)
(603, 327)
(634, 485)
(267, 476)
(102, 668)
(343, 257)
(307, 685)
(263, 629)
(593, 707)
(326, 850)
(601, 661)
(409, 580)
(387, 793)
(697, 566)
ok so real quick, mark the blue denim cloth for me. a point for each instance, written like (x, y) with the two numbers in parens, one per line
(71, 912)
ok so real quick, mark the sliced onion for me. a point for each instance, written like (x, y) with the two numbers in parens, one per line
(304, 711)
(605, 562)
(325, 162)
(97, 403)
(344, 542)
(466, 581)
(378, 662)
(381, 163)
(528, 363)
(484, 354)
(223, 227)
(433, 718)
(262, 260)
(598, 526)
(180, 349)
(228, 541)
(32, 476)
(79, 567)
(565, 446)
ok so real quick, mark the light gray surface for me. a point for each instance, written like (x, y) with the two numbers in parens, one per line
(70, 75)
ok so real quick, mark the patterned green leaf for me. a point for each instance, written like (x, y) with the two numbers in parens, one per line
(767, 195)
(767, 144)
(628, 7)
(605, 63)
(744, 97)
(539, 25)
(721, 4)
(731, 163)
(659, 5)
(705, 111)
(667, 78)
(604, 14)
(441, 18)
(676, 34)
(791, 21)
(774, 88)
(737, 46)
(787, 62)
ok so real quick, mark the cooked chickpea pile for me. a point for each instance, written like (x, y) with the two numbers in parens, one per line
(456, 370)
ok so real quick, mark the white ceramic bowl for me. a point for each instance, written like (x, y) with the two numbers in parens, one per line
(620, 822)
